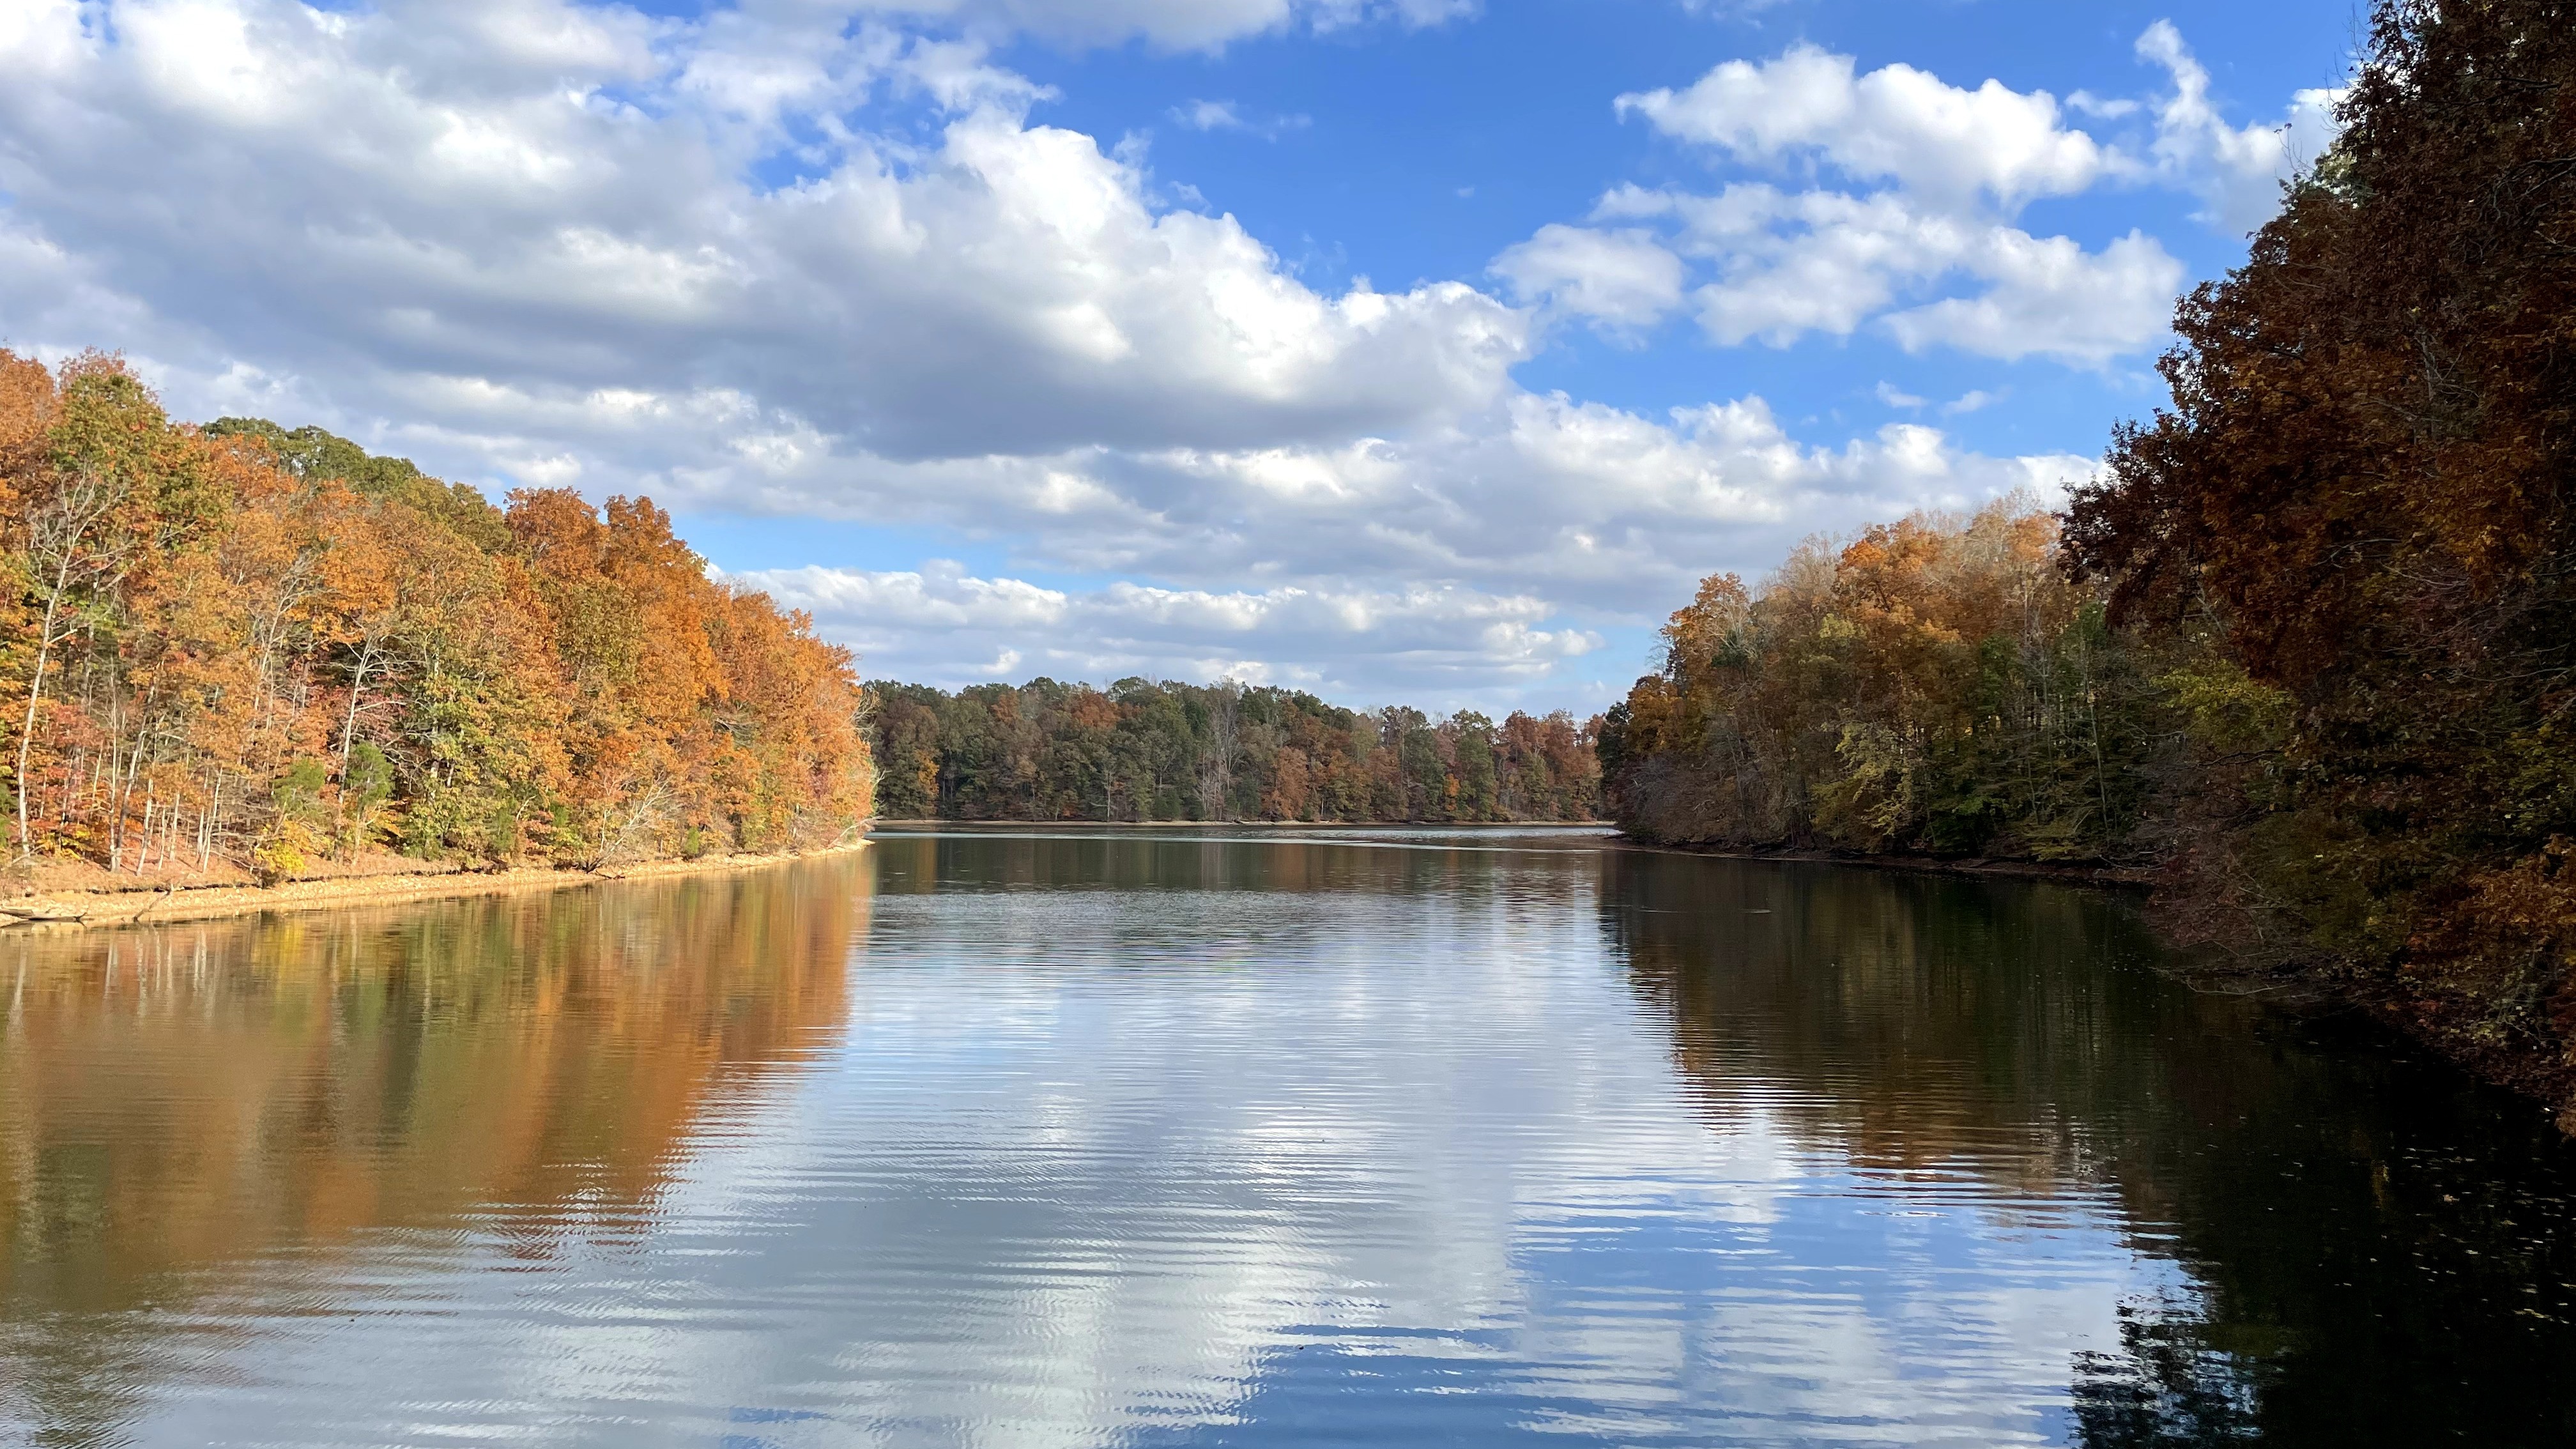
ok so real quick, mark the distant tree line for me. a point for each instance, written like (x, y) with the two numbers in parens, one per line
(238, 647)
(1141, 751)
(2308, 646)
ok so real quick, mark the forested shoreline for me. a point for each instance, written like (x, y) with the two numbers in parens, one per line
(2308, 645)
(1936, 686)
(1143, 751)
(238, 650)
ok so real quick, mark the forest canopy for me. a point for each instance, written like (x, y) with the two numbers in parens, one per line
(1935, 685)
(2308, 644)
(236, 646)
(2360, 498)
(1145, 751)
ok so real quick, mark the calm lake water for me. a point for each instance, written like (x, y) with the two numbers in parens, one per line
(1197, 1138)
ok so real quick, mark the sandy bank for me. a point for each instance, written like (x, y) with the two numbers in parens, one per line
(76, 910)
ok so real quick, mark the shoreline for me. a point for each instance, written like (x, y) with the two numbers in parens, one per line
(2125, 877)
(1247, 824)
(84, 910)
(88, 910)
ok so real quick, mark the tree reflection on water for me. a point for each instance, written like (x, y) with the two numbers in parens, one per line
(2382, 1251)
(188, 1106)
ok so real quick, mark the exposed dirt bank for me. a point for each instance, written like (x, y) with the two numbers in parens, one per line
(74, 910)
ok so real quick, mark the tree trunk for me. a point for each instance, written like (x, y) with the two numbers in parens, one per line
(45, 641)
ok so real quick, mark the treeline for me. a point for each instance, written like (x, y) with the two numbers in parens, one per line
(2310, 642)
(1144, 751)
(1937, 685)
(235, 646)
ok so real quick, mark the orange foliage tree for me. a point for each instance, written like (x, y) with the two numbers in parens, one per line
(236, 646)
(1935, 685)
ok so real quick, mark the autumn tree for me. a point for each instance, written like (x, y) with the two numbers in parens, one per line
(2355, 519)
(241, 646)
(1934, 685)
(1142, 750)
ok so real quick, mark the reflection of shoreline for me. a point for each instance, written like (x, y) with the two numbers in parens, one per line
(2098, 875)
(207, 903)
(1403, 864)
(1904, 1021)
(2329, 1198)
(181, 1106)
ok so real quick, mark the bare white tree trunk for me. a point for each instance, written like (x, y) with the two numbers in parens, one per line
(56, 538)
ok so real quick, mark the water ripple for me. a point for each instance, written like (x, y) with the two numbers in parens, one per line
(1040, 1139)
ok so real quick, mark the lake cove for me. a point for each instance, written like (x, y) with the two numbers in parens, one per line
(1196, 1137)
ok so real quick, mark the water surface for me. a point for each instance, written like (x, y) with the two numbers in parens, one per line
(1214, 1138)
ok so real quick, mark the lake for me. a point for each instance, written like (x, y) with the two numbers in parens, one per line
(1222, 1137)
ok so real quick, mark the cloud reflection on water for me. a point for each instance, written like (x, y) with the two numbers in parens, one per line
(1175, 1142)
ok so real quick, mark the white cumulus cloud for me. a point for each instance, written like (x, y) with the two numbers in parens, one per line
(1624, 277)
(2237, 170)
(2052, 298)
(1601, 511)
(422, 200)
(1919, 234)
(931, 624)
(1169, 24)
(1894, 124)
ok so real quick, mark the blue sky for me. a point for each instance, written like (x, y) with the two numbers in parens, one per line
(1415, 350)
(1514, 110)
